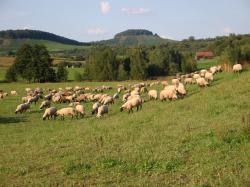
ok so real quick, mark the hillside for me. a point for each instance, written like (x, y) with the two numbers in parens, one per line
(135, 37)
(201, 140)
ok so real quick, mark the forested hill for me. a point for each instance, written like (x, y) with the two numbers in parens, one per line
(38, 35)
(134, 32)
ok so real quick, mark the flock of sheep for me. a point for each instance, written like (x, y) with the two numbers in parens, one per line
(132, 95)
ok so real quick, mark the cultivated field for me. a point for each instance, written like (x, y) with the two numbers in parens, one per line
(201, 140)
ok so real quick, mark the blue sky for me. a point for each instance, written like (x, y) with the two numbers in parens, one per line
(91, 20)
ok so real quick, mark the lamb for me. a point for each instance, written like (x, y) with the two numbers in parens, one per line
(102, 110)
(69, 111)
(237, 68)
(49, 113)
(80, 110)
(13, 92)
(169, 92)
(130, 104)
(152, 94)
(209, 76)
(95, 107)
(201, 82)
(22, 107)
(45, 104)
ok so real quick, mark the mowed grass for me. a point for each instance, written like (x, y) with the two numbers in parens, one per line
(201, 140)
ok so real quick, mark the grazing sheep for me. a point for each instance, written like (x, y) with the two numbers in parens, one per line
(80, 110)
(237, 68)
(45, 104)
(181, 90)
(213, 69)
(201, 82)
(152, 94)
(35, 98)
(95, 107)
(196, 76)
(209, 76)
(26, 98)
(125, 97)
(169, 92)
(13, 92)
(102, 110)
(49, 113)
(48, 97)
(135, 92)
(108, 100)
(69, 111)
(74, 104)
(130, 104)
(22, 108)
(188, 80)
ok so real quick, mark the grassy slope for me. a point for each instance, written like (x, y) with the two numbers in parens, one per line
(200, 140)
(13, 44)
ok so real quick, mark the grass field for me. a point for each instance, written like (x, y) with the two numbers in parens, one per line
(201, 140)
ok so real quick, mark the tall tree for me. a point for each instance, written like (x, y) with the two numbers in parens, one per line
(62, 73)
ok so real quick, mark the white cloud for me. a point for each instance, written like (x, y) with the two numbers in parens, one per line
(96, 31)
(135, 11)
(105, 7)
(227, 30)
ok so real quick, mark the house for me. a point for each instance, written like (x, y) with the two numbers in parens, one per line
(204, 55)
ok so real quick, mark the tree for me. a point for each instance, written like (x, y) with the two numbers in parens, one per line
(138, 64)
(188, 64)
(122, 74)
(11, 74)
(62, 73)
(33, 63)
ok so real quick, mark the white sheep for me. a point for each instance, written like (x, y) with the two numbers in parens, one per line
(80, 110)
(168, 93)
(188, 80)
(45, 104)
(22, 107)
(49, 113)
(95, 107)
(69, 111)
(13, 92)
(108, 100)
(181, 89)
(209, 76)
(175, 81)
(237, 68)
(130, 104)
(201, 82)
(103, 109)
(152, 94)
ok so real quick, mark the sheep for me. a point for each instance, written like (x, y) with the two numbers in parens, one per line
(80, 110)
(237, 68)
(181, 89)
(45, 104)
(49, 113)
(22, 107)
(213, 69)
(125, 97)
(168, 93)
(135, 92)
(95, 107)
(26, 98)
(152, 94)
(209, 76)
(13, 92)
(175, 81)
(108, 100)
(35, 98)
(196, 76)
(74, 103)
(201, 82)
(48, 97)
(69, 111)
(130, 104)
(188, 80)
(203, 72)
(103, 109)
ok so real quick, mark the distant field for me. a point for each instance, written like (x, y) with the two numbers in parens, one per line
(207, 63)
(13, 44)
(201, 140)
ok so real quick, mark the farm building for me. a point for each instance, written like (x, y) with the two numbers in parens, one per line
(204, 55)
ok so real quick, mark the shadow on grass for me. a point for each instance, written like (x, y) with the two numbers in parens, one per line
(11, 120)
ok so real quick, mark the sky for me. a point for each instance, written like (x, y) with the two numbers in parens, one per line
(93, 20)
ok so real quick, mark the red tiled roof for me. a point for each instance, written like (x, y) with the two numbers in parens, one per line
(205, 54)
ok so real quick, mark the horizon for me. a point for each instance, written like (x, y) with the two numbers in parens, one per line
(94, 20)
